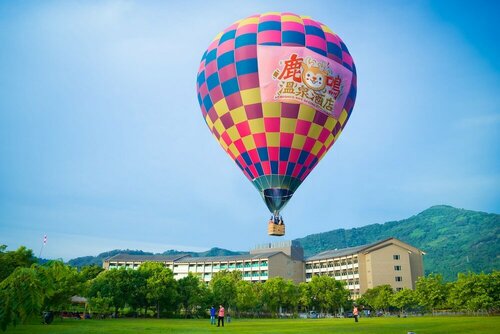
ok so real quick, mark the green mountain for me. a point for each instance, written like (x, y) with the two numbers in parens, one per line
(455, 240)
(215, 251)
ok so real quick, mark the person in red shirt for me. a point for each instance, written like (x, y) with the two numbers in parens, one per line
(221, 316)
(355, 313)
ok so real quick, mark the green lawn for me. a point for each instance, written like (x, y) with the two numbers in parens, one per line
(419, 325)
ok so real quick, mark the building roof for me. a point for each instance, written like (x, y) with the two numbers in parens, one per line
(186, 258)
(142, 258)
(183, 258)
(227, 258)
(336, 253)
(350, 251)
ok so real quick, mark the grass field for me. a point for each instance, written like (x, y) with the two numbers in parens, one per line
(419, 325)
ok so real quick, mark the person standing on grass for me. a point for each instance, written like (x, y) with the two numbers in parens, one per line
(221, 316)
(212, 315)
(355, 313)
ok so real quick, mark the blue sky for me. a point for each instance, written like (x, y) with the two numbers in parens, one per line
(102, 143)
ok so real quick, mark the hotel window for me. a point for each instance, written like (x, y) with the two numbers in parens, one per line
(395, 257)
(397, 268)
(398, 278)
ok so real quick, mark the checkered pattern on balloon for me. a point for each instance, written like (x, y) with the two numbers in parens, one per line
(276, 91)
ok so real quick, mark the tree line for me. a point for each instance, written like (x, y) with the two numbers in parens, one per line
(470, 293)
(28, 288)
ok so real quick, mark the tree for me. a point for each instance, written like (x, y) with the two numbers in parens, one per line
(327, 293)
(292, 296)
(100, 304)
(162, 290)
(278, 293)
(247, 298)
(22, 295)
(475, 292)
(89, 272)
(379, 297)
(114, 284)
(138, 296)
(223, 286)
(191, 293)
(404, 299)
(305, 295)
(10, 260)
(64, 282)
(431, 291)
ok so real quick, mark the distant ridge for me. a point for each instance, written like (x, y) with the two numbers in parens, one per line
(215, 251)
(455, 240)
(97, 260)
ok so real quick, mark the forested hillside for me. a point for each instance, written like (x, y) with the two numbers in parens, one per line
(455, 240)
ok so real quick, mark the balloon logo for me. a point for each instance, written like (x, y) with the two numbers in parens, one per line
(276, 90)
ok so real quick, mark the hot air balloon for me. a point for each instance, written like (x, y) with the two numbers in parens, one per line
(276, 90)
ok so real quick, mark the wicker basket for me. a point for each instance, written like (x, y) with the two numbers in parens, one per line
(275, 229)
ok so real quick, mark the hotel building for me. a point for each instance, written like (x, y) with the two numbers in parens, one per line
(389, 261)
(283, 259)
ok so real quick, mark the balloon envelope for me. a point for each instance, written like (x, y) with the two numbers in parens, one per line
(276, 90)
